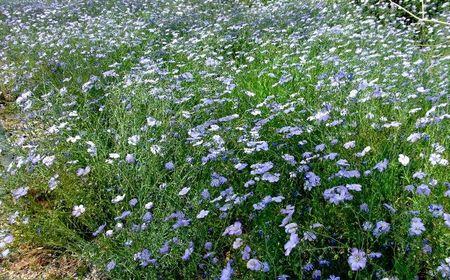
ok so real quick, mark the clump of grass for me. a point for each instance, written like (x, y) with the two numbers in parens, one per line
(275, 140)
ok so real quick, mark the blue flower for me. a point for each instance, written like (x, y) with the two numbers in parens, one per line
(188, 252)
(246, 253)
(381, 227)
(423, 190)
(291, 244)
(165, 249)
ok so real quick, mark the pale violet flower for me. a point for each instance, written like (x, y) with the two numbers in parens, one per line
(188, 252)
(414, 137)
(240, 166)
(417, 227)
(169, 166)
(309, 236)
(349, 145)
(444, 268)
(446, 219)
(270, 177)
(291, 244)
(254, 264)
(53, 182)
(78, 210)
(83, 171)
(238, 243)
(134, 140)
(5, 253)
(202, 214)
(184, 191)
(357, 259)
(110, 266)
(227, 272)
(234, 229)
(130, 158)
(261, 168)
(19, 192)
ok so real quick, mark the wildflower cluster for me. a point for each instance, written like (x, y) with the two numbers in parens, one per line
(211, 139)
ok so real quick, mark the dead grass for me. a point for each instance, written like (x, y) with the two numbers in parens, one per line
(30, 262)
(41, 263)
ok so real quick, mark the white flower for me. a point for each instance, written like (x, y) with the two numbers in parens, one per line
(249, 93)
(438, 148)
(186, 114)
(114, 155)
(73, 139)
(152, 122)
(148, 206)
(437, 159)
(118, 199)
(134, 140)
(403, 159)
(421, 89)
(364, 151)
(155, 149)
(92, 150)
(119, 226)
(5, 253)
(78, 210)
(353, 93)
(48, 160)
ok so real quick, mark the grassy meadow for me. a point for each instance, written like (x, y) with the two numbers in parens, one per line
(208, 139)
